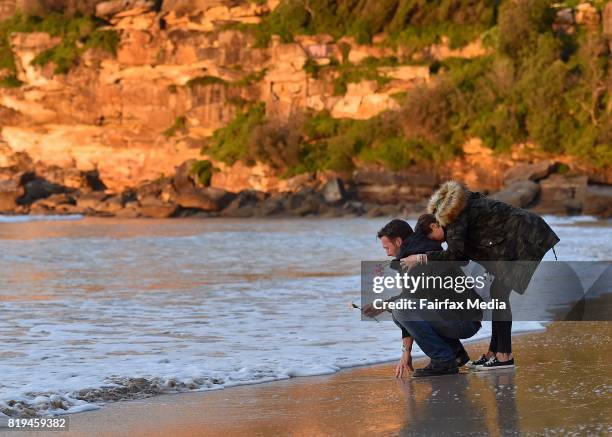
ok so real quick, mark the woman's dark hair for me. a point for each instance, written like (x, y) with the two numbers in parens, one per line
(424, 222)
(396, 228)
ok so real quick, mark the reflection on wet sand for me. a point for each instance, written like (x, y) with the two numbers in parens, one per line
(561, 385)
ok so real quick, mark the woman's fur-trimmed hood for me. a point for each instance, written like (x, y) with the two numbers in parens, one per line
(448, 202)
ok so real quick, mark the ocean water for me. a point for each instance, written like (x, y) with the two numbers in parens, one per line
(100, 310)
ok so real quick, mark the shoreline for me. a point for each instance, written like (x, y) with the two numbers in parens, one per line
(571, 376)
(26, 218)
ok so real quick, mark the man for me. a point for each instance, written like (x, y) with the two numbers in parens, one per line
(438, 339)
(491, 233)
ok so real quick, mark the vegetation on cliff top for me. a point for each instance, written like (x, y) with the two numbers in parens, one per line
(538, 84)
(317, 141)
(402, 21)
(78, 33)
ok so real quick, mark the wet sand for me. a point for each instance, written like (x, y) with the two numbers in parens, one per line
(562, 385)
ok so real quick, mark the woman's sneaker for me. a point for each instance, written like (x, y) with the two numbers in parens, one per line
(494, 364)
(483, 359)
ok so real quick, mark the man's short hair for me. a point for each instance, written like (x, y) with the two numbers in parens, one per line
(396, 228)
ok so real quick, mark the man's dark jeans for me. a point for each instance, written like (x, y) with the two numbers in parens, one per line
(439, 340)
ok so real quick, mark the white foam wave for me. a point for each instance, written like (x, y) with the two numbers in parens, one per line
(37, 218)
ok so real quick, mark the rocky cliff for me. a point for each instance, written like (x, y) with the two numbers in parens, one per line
(183, 68)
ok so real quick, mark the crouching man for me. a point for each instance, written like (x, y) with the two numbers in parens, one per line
(438, 332)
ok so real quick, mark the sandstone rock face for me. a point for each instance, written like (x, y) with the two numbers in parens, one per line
(91, 200)
(562, 194)
(587, 15)
(55, 204)
(107, 9)
(109, 114)
(479, 169)
(152, 207)
(598, 201)
(10, 191)
(519, 194)
(182, 178)
(104, 128)
(528, 172)
(333, 190)
(205, 199)
(404, 188)
(607, 20)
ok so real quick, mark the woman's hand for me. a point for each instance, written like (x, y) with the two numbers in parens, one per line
(412, 260)
(404, 365)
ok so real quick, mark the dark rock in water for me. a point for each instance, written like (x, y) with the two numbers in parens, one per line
(528, 172)
(271, 206)
(39, 188)
(384, 211)
(309, 207)
(182, 177)
(520, 194)
(354, 207)
(244, 204)
(205, 199)
(331, 211)
(248, 197)
(194, 213)
(333, 191)
(598, 201)
(304, 202)
(562, 194)
(244, 212)
(10, 191)
(91, 201)
(386, 188)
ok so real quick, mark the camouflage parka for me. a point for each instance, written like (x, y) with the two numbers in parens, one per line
(491, 233)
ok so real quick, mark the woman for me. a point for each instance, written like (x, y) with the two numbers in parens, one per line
(489, 232)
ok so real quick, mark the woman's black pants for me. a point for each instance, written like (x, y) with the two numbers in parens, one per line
(501, 335)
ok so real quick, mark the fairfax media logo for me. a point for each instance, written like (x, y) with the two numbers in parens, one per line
(437, 304)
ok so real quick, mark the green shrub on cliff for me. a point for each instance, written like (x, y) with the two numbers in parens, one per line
(537, 84)
(10, 81)
(247, 80)
(317, 141)
(179, 125)
(77, 33)
(205, 81)
(202, 170)
(231, 143)
(365, 70)
(405, 22)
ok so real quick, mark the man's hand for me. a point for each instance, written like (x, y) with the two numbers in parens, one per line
(404, 365)
(369, 310)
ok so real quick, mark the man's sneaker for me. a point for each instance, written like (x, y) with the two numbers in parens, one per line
(483, 359)
(494, 364)
(437, 368)
(462, 358)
